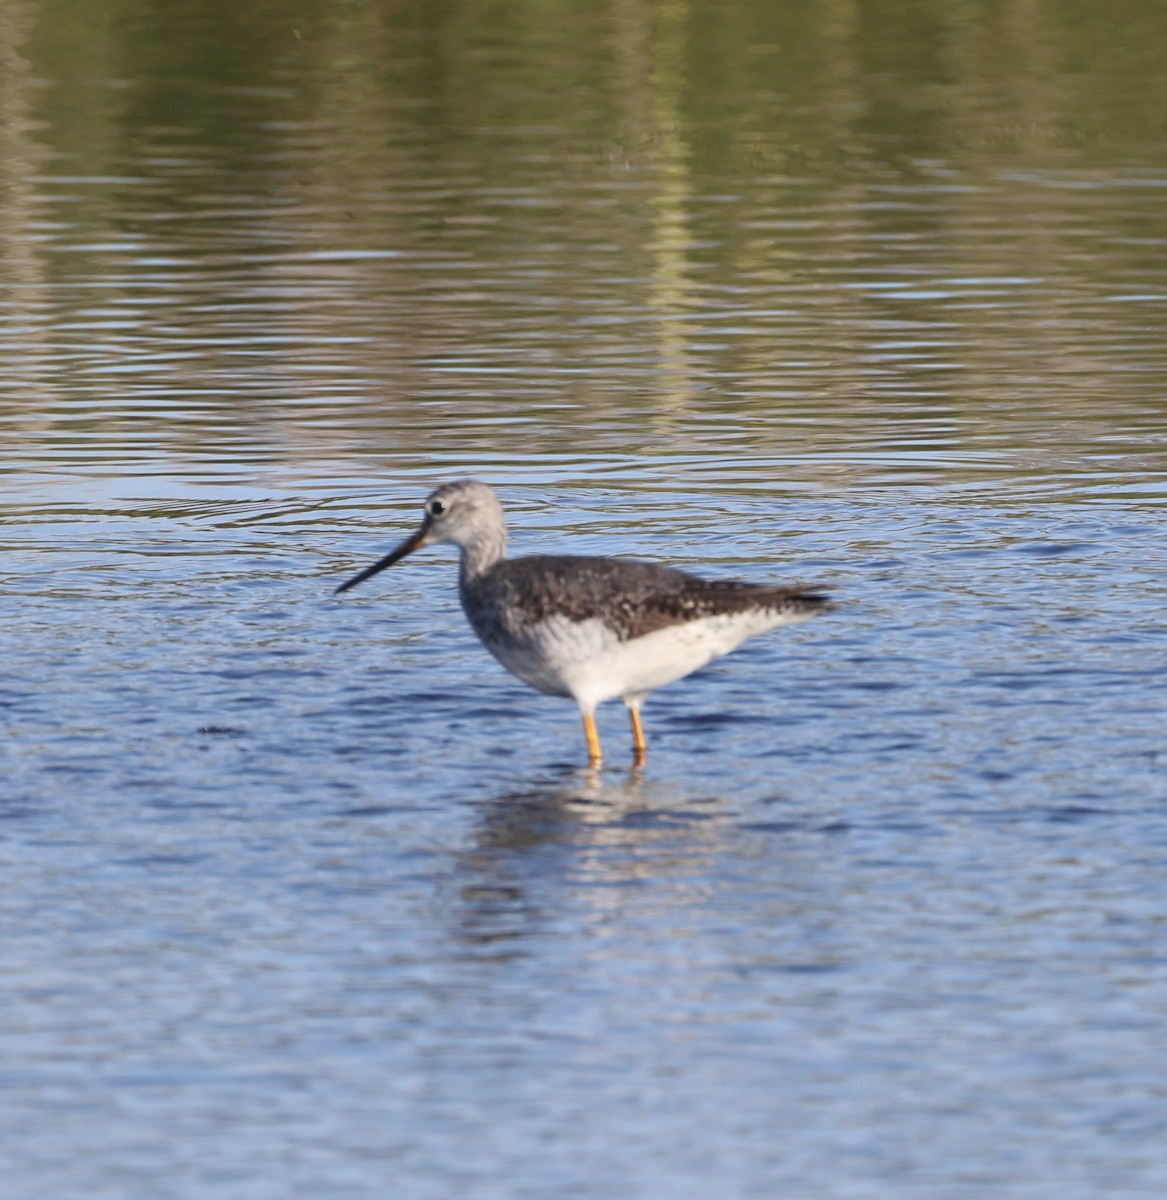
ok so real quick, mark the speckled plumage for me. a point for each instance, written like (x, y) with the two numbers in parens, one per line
(634, 598)
(589, 627)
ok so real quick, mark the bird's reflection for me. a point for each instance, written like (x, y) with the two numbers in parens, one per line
(572, 848)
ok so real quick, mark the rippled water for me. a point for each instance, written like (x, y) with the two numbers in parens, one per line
(304, 896)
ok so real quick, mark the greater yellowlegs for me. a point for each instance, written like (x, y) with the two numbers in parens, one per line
(586, 627)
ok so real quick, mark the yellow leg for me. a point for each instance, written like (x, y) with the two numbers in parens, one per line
(639, 745)
(594, 753)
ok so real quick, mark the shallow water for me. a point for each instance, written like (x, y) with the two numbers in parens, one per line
(304, 895)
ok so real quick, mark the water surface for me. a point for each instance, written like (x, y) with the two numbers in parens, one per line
(305, 896)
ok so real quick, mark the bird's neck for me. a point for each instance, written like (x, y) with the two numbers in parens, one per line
(482, 554)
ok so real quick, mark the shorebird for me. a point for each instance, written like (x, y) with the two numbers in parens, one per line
(590, 628)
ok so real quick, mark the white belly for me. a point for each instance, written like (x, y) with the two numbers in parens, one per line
(586, 660)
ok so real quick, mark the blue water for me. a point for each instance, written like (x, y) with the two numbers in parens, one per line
(306, 895)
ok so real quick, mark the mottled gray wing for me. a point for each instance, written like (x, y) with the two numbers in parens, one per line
(633, 598)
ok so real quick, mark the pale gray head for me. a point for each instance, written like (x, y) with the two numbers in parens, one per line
(466, 513)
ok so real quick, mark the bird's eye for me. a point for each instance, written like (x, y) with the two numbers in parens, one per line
(437, 508)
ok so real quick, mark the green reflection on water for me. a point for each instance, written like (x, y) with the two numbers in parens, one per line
(846, 237)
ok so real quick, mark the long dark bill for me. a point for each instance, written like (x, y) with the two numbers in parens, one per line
(407, 547)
